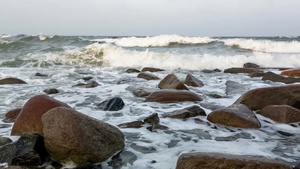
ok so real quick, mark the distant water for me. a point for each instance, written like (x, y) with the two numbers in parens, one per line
(67, 59)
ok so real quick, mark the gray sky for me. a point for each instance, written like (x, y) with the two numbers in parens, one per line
(151, 17)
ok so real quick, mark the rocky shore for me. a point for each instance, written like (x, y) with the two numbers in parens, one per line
(54, 134)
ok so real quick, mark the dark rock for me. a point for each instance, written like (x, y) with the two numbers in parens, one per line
(132, 71)
(11, 80)
(122, 159)
(147, 76)
(87, 78)
(257, 74)
(214, 95)
(210, 71)
(91, 84)
(151, 69)
(155, 127)
(152, 119)
(29, 119)
(281, 113)
(51, 91)
(281, 95)
(278, 78)
(250, 65)
(88, 166)
(285, 133)
(234, 137)
(79, 138)
(28, 150)
(143, 92)
(79, 84)
(185, 113)
(113, 104)
(134, 124)
(4, 141)
(190, 80)
(241, 70)
(11, 115)
(236, 115)
(173, 143)
(125, 80)
(5, 126)
(167, 96)
(153, 161)
(234, 88)
(211, 106)
(291, 73)
(39, 74)
(227, 161)
(142, 149)
(172, 82)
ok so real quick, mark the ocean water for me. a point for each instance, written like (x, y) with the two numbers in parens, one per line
(67, 59)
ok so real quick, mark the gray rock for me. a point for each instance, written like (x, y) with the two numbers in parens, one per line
(190, 80)
(122, 159)
(278, 78)
(234, 88)
(143, 92)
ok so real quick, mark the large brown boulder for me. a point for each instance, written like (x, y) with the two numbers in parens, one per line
(236, 115)
(236, 70)
(11, 80)
(72, 136)
(147, 76)
(172, 82)
(281, 113)
(29, 119)
(278, 78)
(291, 73)
(190, 80)
(227, 161)
(169, 95)
(281, 95)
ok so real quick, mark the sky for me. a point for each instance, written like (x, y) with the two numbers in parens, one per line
(151, 17)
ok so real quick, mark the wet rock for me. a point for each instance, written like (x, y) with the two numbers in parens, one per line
(216, 160)
(79, 138)
(211, 106)
(122, 159)
(143, 92)
(190, 80)
(281, 95)
(236, 115)
(234, 88)
(234, 137)
(152, 119)
(11, 80)
(113, 104)
(131, 70)
(281, 113)
(185, 113)
(88, 166)
(250, 65)
(210, 71)
(29, 119)
(79, 84)
(173, 143)
(142, 149)
(214, 95)
(147, 76)
(241, 70)
(11, 115)
(285, 133)
(87, 78)
(167, 96)
(4, 141)
(39, 74)
(155, 127)
(51, 91)
(91, 84)
(134, 124)
(172, 82)
(291, 73)
(151, 69)
(28, 150)
(257, 74)
(278, 78)
(125, 80)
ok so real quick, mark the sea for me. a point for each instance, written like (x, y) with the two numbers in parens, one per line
(66, 60)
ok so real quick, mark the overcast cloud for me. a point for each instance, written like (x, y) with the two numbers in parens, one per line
(151, 17)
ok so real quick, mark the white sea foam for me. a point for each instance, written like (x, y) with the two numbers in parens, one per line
(44, 37)
(5, 36)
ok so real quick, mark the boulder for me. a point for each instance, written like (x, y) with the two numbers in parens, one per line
(172, 82)
(291, 73)
(236, 115)
(11, 80)
(233, 87)
(28, 150)
(113, 104)
(185, 113)
(278, 78)
(72, 136)
(151, 69)
(250, 65)
(143, 92)
(281, 95)
(131, 70)
(168, 96)
(281, 113)
(152, 119)
(91, 84)
(257, 74)
(29, 119)
(205, 160)
(236, 70)
(51, 91)
(147, 76)
(11, 115)
(190, 80)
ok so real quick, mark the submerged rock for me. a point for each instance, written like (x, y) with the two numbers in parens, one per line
(91, 84)
(291, 73)
(72, 136)
(234, 88)
(281, 95)
(143, 92)
(151, 69)
(190, 80)
(250, 65)
(147, 76)
(185, 113)
(172, 82)
(241, 70)
(122, 159)
(11, 115)
(236, 115)
(210, 71)
(11, 80)
(29, 119)
(152, 119)
(281, 113)
(51, 91)
(227, 161)
(39, 74)
(133, 124)
(113, 104)
(168, 96)
(131, 70)
(278, 78)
